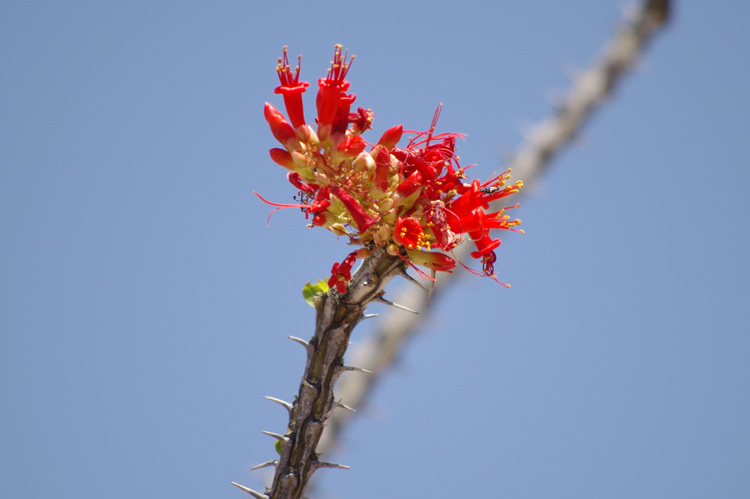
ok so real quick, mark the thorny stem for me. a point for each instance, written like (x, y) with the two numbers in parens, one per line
(336, 317)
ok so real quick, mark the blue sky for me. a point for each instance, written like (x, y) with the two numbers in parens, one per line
(145, 303)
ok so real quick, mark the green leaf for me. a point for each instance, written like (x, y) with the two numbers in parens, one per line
(277, 445)
(310, 291)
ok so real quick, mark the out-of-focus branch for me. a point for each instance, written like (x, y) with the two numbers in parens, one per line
(589, 89)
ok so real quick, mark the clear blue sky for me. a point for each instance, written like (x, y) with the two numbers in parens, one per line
(145, 304)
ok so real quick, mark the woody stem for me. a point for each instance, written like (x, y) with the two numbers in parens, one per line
(337, 315)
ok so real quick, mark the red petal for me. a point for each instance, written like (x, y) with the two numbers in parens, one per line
(358, 214)
(280, 127)
(282, 157)
(391, 137)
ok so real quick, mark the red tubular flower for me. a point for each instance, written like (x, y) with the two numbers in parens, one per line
(351, 146)
(485, 245)
(479, 220)
(358, 214)
(321, 202)
(283, 158)
(331, 92)
(469, 200)
(361, 120)
(382, 167)
(410, 185)
(292, 89)
(323, 219)
(341, 274)
(280, 127)
(408, 232)
(295, 179)
(341, 122)
(391, 137)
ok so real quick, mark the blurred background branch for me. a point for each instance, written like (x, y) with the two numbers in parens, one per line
(589, 90)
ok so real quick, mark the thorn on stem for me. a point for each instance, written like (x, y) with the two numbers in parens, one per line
(319, 464)
(300, 341)
(356, 369)
(432, 288)
(256, 495)
(342, 369)
(308, 347)
(308, 384)
(282, 403)
(272, 462)
(383, 300)
(409, 278)
(280, 438)
(344, 406)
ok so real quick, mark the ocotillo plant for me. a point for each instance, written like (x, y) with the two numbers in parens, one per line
(398, 205)
(403, 207)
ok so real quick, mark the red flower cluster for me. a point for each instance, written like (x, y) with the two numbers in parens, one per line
(411, 200)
